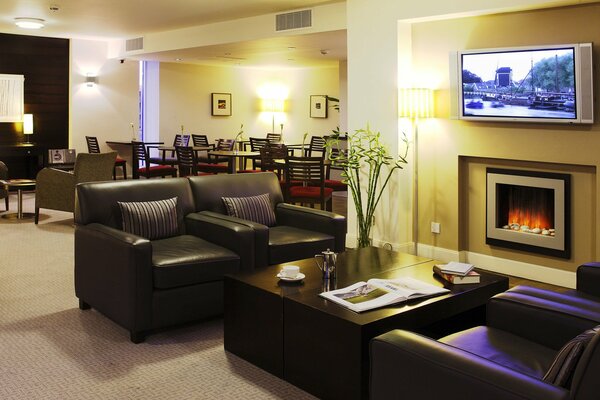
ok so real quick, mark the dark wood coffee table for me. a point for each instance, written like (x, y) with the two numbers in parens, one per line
(322, 347)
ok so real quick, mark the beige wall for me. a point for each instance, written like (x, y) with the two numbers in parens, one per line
(443, 141)
(185, 99)
(107, 109)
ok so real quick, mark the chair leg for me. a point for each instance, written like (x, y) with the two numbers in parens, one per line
(114, 173)
(137, 337)
(6, 202)
(37, 215)
(124, 171)
(83, 305)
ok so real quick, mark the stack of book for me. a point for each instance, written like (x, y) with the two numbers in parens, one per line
(457, 273)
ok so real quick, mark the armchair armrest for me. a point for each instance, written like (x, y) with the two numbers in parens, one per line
(588, 279)
(261, 236)
(113, 273)
(405, 365)
(314, 220)
(545, 321)
(55, 189)
(232, 235)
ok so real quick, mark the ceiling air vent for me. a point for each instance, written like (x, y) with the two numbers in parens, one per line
(134, 44)
(293, 20)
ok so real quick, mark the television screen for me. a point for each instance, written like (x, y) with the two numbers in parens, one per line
(520, 84)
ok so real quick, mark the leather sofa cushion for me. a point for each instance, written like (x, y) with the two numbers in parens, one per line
(287, 243)
(188, 260)
(505, 349)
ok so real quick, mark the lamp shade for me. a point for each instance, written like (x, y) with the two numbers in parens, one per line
(273, 105)
(415, 103)
(28, 124)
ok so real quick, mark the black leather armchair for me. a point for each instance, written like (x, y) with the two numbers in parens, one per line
(146, 284)
(300, 232)
(583, 303)
(504, 360)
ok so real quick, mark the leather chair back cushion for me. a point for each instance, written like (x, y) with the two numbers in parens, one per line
(563, 367)
(96, 202)
(208, 190)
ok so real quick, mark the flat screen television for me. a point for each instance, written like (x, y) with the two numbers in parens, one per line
(531, 84)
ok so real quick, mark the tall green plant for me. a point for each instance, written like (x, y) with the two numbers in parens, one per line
(367, 169)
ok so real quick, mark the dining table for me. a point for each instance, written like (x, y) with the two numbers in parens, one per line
(232, 155)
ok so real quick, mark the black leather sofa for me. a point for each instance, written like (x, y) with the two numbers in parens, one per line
(504, 360)
(144, 285)
(300, 232)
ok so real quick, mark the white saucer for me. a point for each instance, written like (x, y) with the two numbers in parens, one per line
(297, 278)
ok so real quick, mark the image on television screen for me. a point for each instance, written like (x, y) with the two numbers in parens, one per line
(519, 84)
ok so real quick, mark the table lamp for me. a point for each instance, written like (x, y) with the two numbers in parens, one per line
(27, 126)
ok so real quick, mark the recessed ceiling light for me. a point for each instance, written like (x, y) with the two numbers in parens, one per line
(29, 23)
(179, 59)
(291, 48)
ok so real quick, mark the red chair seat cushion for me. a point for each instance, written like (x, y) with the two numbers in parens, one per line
(212, 167)
(156, 168)
(120, 160)
(309, 191)
(337, 186)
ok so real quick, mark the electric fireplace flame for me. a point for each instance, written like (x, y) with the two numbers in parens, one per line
(526, 209)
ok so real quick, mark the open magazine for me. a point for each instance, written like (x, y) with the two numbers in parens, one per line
(377, 293)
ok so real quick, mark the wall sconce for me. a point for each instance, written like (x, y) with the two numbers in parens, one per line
(27, 126)
(91, 80)
(415, 103)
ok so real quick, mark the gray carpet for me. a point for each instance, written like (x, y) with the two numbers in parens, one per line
(49, 349)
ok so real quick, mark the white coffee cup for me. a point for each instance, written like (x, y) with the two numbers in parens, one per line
(290, 271)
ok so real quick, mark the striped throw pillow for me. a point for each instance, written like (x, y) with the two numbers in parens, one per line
(563, 367)
(150, 219)
(252, 208)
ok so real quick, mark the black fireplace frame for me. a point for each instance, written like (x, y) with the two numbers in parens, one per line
(560, 253)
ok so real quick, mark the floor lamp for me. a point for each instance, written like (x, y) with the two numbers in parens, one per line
(273, 106)
(415, 103)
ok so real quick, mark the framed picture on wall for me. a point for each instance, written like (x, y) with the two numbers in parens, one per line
(318, 106)
(221, 104)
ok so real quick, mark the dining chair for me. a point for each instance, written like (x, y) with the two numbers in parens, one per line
(94, 148)
(305, 182)
(335, 161)
(255, 145)
(271, 157)
(187, 162)
(214, 164)
(202, 141)
(274, 137)
(317, 145)
(166, 157)
(140, 153)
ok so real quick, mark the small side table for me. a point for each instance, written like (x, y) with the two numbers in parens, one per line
(20, 185)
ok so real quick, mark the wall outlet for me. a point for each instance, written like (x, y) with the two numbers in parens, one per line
(435, 227)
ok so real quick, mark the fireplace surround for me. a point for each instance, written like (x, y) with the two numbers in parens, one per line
(528, 211)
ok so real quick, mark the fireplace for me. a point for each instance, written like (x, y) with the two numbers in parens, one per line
(529, 211)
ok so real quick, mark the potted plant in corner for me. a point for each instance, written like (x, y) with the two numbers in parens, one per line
(367, 169)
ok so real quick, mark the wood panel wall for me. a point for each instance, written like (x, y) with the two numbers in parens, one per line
(45, 64)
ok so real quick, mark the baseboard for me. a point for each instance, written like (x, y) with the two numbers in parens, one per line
(521, 269)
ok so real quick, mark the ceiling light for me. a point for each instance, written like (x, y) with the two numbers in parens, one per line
(29, 23)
